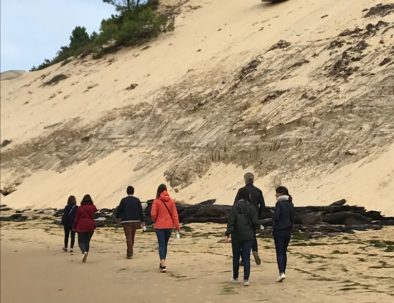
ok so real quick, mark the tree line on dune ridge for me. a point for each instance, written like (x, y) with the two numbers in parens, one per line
(136, 22)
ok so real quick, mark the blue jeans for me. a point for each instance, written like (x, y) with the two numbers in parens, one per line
(241, 248)
(282, 239)
(163, 235)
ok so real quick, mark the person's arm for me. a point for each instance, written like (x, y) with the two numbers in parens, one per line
(261, 205)
(77, 216)
(292, 215)
(230, 223)
(254, 218)
(64, 215)
(236, 197)
(119, 209)
(175, 217)
(140, 211)
(277, 212)
(153, 212)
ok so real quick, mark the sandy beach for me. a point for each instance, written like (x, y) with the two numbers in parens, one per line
(345, 268)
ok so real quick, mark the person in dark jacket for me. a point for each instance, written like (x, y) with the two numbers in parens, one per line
(130, 214)
(241, 225)
(256, 198)
(68, 218)
(84, 224)
(283, 221)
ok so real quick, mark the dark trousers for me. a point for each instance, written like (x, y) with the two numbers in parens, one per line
(163, 235)
(67, 231)
(241, 248)
(84, 240)
(282, 239)
(129, 231)
(254, 245)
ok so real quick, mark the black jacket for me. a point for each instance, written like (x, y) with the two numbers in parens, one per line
(69, 213)
(256, 198)
(130, 209)
(242, 221)
(284, 214)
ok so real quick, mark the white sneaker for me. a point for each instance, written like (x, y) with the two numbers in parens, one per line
(281, 277)
(234, 280)
(85, 256)
(246, 283)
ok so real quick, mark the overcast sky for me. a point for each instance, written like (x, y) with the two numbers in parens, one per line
(33, 30)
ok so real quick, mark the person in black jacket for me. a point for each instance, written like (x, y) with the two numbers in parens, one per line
(283, 221)
(241, 225)
(256, 198)
(131, 216)
(68, 221)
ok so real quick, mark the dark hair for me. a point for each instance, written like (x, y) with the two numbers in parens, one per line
(71, 200)
(160, 189)
(249, 178)
(284, 191)
(130, 190)
(243, 193)
(87, 199)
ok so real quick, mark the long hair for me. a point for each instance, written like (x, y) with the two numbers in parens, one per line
(71, 200)
(160, 189)
(87, 199)
(284, 191)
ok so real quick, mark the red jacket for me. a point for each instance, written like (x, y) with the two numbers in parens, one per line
(165, 218)
(84, 220)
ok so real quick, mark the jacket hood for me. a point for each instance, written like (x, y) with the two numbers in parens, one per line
(241, 206)
(164, 196)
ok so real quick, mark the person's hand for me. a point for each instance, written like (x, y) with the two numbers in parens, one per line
(227, 239)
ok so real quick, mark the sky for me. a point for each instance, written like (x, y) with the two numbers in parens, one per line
(34, 30)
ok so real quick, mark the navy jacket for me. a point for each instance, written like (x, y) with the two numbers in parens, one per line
(284, 214)
(69, 213)
(130, 209)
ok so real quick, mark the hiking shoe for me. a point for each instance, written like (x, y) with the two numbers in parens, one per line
(129, 257)
(256, 257)
(246, 283)
(85, 256)
(65, 249)
(71, 250)
(233, 280)
(281, 277)
(163, 269)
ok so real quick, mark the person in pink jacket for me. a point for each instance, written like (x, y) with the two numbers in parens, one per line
(165, 217)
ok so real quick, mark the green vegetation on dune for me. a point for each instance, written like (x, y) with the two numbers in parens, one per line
(134, 24)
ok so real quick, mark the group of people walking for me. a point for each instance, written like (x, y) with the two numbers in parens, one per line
(243, 223)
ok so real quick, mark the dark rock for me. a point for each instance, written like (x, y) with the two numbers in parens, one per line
(338, 203)
(282, 44)
(5, 143)
(14, 217)
(5, 208)
(310, 218)
(385, 61)
(55, 80)
(345, 217)
(380, 10)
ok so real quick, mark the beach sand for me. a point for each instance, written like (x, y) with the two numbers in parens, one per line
(355, 267)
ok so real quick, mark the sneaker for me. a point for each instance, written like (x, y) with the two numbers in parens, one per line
(233, 280)
(85, 256)
(71, 250)
(256, 257)
(65, 249)
(129, 257)
(162, 268)
(281, 277)
(246, 283)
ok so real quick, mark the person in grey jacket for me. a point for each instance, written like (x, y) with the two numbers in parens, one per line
(241, 225)
(283, 221)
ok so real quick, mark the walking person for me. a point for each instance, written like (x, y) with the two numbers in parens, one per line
(283, 222)
(165, 217)
(256, 198)
(68, 218)
(241, 225)
(131, 216)
(84, 225)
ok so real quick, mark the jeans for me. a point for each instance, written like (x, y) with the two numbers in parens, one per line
(84, 240)
(241, 248)
(163, 235)
(282, 239)
(67, 231)
(129, 231)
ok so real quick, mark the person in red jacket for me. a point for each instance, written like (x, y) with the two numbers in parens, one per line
(84, 224)
(165, 217)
